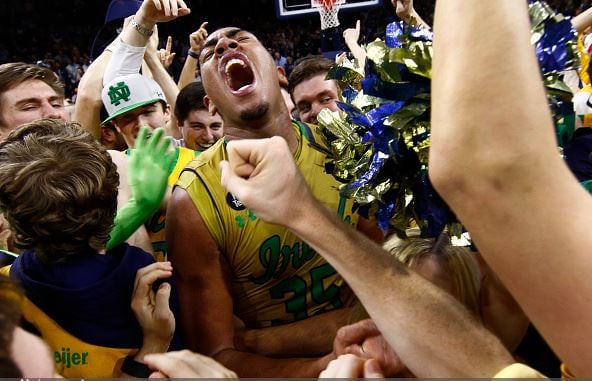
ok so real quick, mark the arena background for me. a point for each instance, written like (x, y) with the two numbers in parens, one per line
(59, 33)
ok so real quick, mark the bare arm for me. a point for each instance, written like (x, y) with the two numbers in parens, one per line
(206, 303)
(134, 39)
(311, 337)
(87, 110)
(505, 180)
(164, 79)
(128, 55)
(351, 37)
(196, 40)
(188, 73)
(583, 20)
(150, 13)
(420, 321)
(401, 296)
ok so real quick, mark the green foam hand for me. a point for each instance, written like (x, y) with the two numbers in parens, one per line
(149, 168)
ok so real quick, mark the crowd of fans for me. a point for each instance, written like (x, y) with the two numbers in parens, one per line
(247, 237)
(63, 41)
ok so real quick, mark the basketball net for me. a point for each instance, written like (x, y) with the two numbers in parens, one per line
(328, 10)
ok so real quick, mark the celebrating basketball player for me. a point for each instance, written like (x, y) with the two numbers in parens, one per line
(228, 261)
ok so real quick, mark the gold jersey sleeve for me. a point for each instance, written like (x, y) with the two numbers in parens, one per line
(276, 277)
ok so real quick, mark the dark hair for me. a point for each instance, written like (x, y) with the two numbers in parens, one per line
(190, 98)
(58, 189)
(15, 73)
(306, 68)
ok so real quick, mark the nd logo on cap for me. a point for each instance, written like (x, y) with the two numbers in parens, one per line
(128, 92)
(118, 93)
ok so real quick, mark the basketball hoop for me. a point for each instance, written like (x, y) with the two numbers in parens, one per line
(328, 10)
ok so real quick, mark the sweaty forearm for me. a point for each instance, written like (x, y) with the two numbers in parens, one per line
(474, 139)
(87, 110)
(310, 337)
(499, 176)
(188, 72)
(419, 320)
(168, 85)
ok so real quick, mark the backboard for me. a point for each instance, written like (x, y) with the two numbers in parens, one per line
(292, 8)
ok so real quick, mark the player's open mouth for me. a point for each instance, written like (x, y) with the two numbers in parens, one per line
(237, 73)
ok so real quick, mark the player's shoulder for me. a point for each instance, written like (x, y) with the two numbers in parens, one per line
(205, 165)
(313, 136)
(209, 157)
